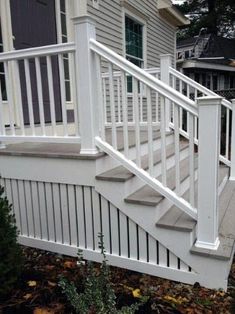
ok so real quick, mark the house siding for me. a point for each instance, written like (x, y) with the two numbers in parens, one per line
(160, 35)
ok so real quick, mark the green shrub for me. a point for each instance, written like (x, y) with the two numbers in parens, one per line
(98, 296)
(10, 252)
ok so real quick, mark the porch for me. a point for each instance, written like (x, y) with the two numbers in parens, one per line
(133, 162)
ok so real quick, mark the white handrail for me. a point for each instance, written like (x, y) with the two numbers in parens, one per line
(118, 73)
(142, 174)
(37, 52)
(198, 86)
(144, 77)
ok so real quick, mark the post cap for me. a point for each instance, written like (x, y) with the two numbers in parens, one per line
(84, 19)
(209, 100)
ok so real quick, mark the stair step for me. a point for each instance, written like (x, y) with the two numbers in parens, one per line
(149, 197)
(175, 219)
(121, 174)
(131, 137)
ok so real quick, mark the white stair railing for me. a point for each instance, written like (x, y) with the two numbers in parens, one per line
(152, 87)
(92, 95)
(193, 90)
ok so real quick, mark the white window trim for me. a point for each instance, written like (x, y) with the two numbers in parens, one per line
(143, 22)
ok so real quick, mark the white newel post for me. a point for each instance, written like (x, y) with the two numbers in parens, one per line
(165, 64)
(86, 84)
(232, 170)
(208, 168)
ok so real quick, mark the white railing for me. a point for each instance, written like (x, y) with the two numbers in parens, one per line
(118, 104)
(161, 92)
(36, 95)
(192, 90)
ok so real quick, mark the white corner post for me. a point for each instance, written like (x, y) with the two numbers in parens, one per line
(86, 84)
(208, 169)
(165, 64)
(232, 170)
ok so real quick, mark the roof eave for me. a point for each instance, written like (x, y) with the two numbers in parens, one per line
(168, 11)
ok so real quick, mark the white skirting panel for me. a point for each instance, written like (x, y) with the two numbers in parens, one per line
(62, 218)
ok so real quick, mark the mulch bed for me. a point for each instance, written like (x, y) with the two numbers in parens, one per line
(38, 292)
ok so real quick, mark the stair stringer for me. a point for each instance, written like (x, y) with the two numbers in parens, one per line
(213, 275)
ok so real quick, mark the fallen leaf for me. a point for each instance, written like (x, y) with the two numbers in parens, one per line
(136, 293)
(43, 310)
(52, 284)
(69, 264)
(32, 283)
(27, 296)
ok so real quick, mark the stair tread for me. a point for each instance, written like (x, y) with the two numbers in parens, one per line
(178, 220)
(121, 174)
(148, 196)
(131, 137)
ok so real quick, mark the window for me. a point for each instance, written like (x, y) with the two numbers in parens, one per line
(64, 39)
(133, 45)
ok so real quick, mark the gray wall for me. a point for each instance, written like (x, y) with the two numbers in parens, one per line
(160, 35)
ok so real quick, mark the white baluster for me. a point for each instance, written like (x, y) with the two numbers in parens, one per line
(163, 141)
(137, 121)
(191, 161)
(62, 94)
(165, 63)
(112, 106)
(51, 95)
(177, 149)
(125, 113)
(29, 95)
(40, 95)
(10, 98)
(150, 131)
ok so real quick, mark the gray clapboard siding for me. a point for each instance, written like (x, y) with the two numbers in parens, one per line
(160, 35)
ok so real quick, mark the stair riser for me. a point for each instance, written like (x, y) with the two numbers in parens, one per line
(134, 184)
(165, 205)
(107, 163)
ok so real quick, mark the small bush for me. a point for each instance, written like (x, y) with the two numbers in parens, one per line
(98, 296)
(10, 252)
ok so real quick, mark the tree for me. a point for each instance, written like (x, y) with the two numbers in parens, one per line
(10, 252)
(213, 16)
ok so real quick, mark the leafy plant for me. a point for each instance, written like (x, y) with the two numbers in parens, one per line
(98, 296)
(10, 252)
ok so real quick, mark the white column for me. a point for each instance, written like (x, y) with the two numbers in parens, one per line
(165, 63)
(208, 168)
(80, 7)
(86, 84)
(232, 170)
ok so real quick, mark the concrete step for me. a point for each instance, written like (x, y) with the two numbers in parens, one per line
(175, 219)
(121, 174)
(149, 197)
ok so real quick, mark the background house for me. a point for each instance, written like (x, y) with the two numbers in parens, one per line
(209, 60)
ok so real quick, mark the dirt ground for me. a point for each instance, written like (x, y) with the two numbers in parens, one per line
(38, 292)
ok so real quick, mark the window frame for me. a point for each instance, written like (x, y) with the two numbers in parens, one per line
(143, 22)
